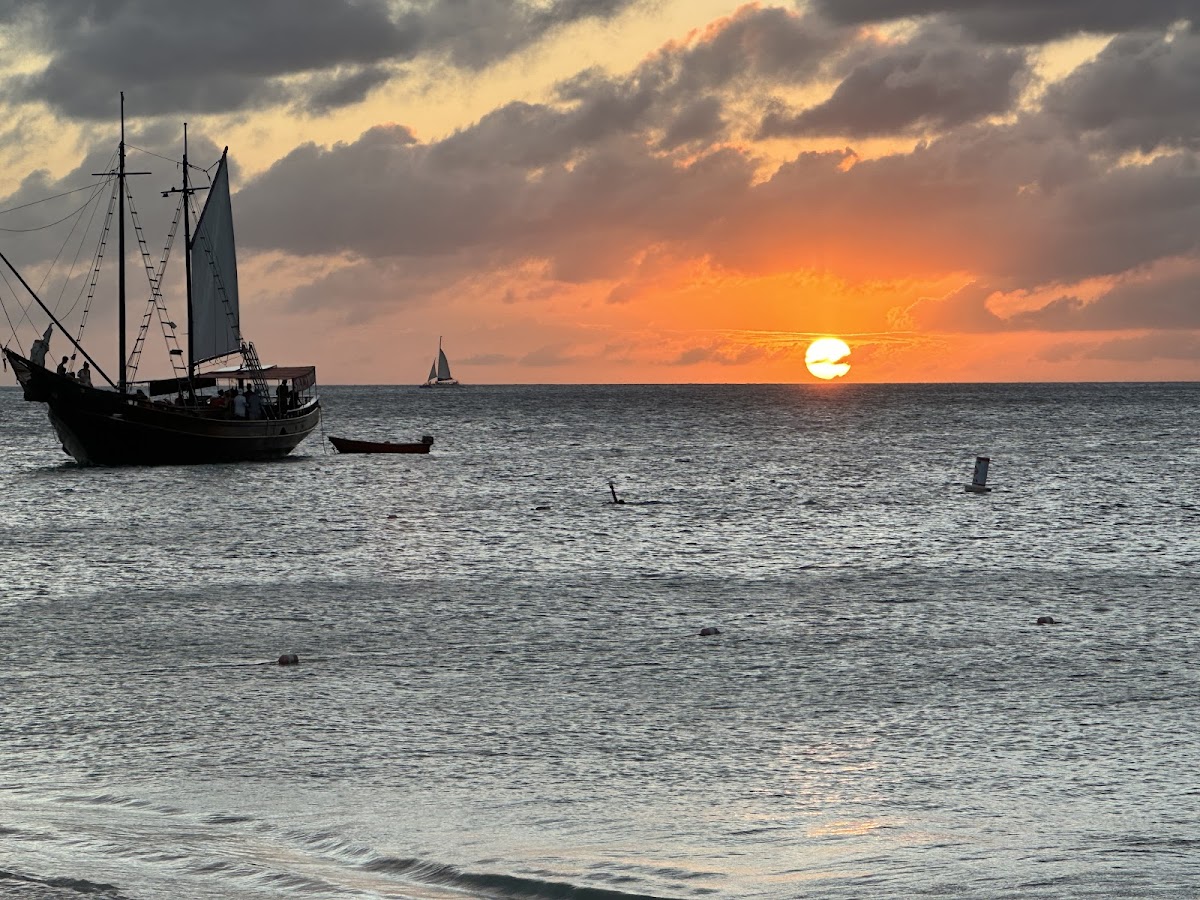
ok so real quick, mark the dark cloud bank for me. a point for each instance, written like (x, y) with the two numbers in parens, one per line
(229, 55)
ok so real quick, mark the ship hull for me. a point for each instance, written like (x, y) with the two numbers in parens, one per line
(347, 445)
(104, 428)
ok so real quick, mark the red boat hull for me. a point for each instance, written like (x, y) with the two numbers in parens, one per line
(346, 445)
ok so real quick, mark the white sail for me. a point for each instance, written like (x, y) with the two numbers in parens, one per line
(214, 296)
(432, 372)
(443, 366)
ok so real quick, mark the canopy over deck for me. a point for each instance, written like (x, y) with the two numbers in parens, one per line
(301, 377)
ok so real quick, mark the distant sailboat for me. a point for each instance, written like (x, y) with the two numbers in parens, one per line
(439, 371)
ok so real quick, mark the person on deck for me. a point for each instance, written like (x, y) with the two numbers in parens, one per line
(37, 354)
(85, 375)
(281, 393)
(239, 404)
(254, 404)
(62, 366)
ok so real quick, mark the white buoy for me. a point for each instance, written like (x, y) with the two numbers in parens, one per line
(978, 483)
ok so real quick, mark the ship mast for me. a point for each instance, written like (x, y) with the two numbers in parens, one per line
(187, 266)
(187, 190)
(122, 373)
(122, 174)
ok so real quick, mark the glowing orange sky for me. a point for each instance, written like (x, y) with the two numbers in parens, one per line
(682, 192)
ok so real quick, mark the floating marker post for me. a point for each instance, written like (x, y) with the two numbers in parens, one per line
(978, 483)
(612, 486)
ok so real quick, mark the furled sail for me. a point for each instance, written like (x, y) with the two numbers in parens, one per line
(443, 368)
(214, 294)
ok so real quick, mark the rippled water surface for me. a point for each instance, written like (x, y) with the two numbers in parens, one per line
(502, 691)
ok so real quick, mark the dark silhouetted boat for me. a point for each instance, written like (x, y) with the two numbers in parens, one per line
(123, 422)
(346, 445)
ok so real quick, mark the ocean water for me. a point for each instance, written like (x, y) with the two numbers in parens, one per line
(502, 691)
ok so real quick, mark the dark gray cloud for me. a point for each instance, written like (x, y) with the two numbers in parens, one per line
(550, 356)
(964, 311)
(1149, 347)
(1157, 345)
(383, 195)
(932, 82)
(485, 359)
(680, 94)
(476, 33)
(755, 44)
(1020, 21)
(722, 353)
(700, 121)
(212, 57)
(229, 55)
(1140, 93)
(1161, 303)
(326, 92)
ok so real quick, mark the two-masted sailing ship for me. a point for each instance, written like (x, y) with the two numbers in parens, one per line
(221, 405)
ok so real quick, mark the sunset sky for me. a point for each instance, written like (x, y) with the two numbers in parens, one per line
(648, 190)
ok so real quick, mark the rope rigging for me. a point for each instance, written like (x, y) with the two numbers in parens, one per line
(47, 200)
(25, 307)
(78, 253)
(88, 288)
(67, 240)
(97, 260)
(156, 302)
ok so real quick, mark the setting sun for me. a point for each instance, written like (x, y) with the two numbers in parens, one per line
(826, 358)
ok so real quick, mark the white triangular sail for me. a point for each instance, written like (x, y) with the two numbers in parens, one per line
(443, 366)
(432, 372)
(214, 295)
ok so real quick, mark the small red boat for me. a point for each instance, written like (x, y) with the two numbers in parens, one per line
(345, 445)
